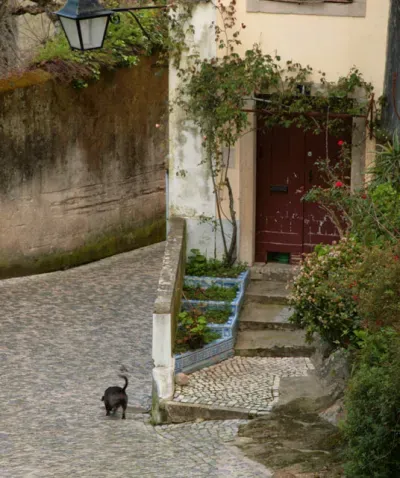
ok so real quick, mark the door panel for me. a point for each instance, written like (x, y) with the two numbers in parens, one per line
(280, 172)
(286, 169)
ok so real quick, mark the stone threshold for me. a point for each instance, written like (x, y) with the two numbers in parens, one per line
(179, 412)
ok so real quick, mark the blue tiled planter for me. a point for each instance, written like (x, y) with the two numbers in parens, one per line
(242, 280)
(222, 348)
(210, 354)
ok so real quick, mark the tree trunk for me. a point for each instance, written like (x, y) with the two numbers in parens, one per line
(8, 38)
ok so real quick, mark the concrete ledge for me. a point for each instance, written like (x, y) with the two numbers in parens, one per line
(357, 8)
(178, 412)
(166, 307)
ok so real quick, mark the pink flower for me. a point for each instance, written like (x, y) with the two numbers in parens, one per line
(204, 137)
(339, 184)
(157, 125)
(340, 142)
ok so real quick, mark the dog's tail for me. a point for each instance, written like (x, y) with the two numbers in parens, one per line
(126, 381)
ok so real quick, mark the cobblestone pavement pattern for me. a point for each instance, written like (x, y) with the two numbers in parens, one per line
(63, 339)
(242, 382)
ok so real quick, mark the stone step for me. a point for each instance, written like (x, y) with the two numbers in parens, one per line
(273, 271)
(256, 316)
(267, 292)
(178, 412)
(273, 343)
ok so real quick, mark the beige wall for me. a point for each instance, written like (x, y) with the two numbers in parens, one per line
(328, 43)
(332, 44)
(33, 31)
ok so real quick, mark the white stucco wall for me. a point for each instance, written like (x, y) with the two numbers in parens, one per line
(190, 185)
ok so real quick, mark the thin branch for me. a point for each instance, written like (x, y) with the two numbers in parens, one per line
(231, 257)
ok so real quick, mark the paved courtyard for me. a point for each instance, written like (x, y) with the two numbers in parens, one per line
(64, 337)
(250, 383)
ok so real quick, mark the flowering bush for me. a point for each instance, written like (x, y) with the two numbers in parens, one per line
(371, 215)
(346, 289)
(325, 295)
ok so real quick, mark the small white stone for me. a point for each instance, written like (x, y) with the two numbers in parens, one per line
(181, 379)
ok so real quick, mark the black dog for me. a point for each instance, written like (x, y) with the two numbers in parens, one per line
(115, 397)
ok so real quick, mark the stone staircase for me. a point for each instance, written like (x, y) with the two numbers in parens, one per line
(264, 329)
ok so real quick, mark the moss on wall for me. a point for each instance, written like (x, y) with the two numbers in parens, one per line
(95, 249)
(28, 78)
(77, 164)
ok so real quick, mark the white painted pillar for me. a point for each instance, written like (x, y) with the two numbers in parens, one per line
(190, 185)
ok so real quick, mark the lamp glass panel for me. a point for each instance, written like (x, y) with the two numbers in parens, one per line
(93, 31)
(71, 31)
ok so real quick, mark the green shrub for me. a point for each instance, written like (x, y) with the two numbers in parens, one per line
(375, 216)
(378, 284)
(218, 316)
(323, 295)
(198, 265)
(387, 164)
(193, 332)
(123, 44)
(213, 292)
(372, 426)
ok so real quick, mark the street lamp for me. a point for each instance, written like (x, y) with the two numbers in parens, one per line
(85, 22)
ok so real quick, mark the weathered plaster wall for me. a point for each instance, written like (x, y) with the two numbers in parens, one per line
(76, 166)
(190, 185)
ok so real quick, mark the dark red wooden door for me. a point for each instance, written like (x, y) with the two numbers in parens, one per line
(286, 169)
(280, 176)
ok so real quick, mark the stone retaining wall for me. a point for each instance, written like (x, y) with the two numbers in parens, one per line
(166, 309)
(81, 169)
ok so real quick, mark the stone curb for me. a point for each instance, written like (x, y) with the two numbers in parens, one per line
(138, 410)
(179, 412)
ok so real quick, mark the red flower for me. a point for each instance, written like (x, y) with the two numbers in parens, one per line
(364, 196)
(396, 258)
(340, 143)
(355, 298)
(339, 184)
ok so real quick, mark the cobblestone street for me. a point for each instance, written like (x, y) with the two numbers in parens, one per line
(243, 382)
(64, 338)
